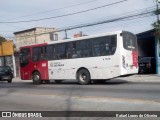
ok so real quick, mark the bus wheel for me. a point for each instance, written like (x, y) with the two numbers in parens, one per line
(36, 78)
(83, 77)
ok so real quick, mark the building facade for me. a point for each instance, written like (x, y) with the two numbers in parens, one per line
(149, 46)
(35, 36)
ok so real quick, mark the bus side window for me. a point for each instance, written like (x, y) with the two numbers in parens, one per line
(98, 47)
(113, 44)
(35, 56)
(84, 48)
(25, 55)
(97, 51)
(113, 49)
(44, 55)
(74, 53)
(68, 49)
(74, 50)
(60, 51)
(79, 53)
(51, 52)
(41, 53)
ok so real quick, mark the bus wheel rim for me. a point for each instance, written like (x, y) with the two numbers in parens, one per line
(36, 77)
(83, 77)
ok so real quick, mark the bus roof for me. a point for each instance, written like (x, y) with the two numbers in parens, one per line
(85, 37)
(75, 39)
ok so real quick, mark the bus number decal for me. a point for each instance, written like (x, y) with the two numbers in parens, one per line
(43, 64)
(58, 64)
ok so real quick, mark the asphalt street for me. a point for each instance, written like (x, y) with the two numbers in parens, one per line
(134, 93)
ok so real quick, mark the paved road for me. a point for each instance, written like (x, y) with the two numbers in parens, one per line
(140, 93)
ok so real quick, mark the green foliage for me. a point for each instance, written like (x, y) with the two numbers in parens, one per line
(2, 39)
(157, 12)
(156, 24)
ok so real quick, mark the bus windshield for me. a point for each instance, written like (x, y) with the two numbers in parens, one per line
(24, 57)
(129, 41)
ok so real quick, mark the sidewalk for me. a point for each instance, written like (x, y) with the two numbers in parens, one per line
(143, 78)
(18, 79)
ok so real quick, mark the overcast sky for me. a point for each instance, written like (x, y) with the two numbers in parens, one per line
(23, 10)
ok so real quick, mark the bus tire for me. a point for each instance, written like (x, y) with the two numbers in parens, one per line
(83, 77)
(36, 78)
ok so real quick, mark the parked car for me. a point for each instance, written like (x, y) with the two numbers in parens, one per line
(147, 65)
(6, 74)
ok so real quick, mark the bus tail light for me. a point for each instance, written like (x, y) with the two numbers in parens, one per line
(123, 61)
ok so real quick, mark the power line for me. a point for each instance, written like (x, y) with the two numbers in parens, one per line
(152, 8)
(34, 20)
(127, 17)
(134, 13)
(139, 10)
(107, 21)
(61, 8)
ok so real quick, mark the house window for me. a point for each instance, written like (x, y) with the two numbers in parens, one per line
(53, 36)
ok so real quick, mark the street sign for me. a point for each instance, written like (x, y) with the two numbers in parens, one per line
(6, 48)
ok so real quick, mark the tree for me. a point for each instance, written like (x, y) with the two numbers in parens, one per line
(156, 24)
(2, 39)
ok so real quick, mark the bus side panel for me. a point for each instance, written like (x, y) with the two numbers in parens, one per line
(129, 54)
(42, 68)
(130, 66)
(117, 57)
(101, 67)
(25, 74)
(62, 69)
(98, 67)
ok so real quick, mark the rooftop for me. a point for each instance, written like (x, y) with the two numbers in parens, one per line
(31, 29)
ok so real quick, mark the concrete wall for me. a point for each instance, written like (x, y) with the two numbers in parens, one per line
(33, 36)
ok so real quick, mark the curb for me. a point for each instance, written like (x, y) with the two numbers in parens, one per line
(143, 78)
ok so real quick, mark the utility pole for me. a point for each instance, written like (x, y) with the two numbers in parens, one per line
(65, 34)
(35, 36)
(157, 24)
(157, 39)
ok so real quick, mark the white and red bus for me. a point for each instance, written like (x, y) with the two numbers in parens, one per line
(96, 57)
